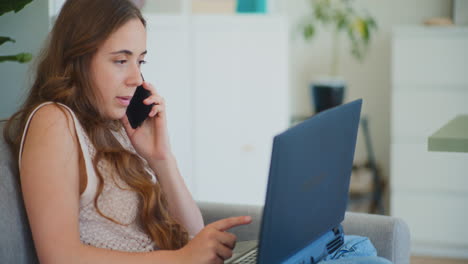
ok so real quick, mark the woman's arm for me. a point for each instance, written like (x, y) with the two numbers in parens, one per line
(151, 141)
(49, 175)
(181, 204)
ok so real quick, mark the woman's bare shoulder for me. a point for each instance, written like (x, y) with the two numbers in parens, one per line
(51, 130)
(52, 116)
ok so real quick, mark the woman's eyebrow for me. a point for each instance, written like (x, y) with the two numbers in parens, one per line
(127, 52)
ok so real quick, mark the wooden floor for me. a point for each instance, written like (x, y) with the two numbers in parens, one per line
(432, 260)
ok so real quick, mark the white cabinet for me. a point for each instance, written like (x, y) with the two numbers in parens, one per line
(430, 87)
(225, 81)
(240, 103)
(168, 69)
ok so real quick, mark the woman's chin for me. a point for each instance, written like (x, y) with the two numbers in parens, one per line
(117, 114)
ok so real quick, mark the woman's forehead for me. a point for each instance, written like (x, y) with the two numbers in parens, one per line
(131, 36)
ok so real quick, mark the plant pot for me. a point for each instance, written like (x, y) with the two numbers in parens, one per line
(327, 94)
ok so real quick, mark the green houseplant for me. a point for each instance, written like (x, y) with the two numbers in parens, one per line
(5, 7)
(339, 17)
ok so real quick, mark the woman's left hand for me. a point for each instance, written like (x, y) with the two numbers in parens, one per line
(151, 139)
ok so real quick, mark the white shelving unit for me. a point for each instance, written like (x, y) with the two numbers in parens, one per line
(430, 87)
(184, 7)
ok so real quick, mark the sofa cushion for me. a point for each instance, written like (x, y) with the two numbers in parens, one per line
(16, 245)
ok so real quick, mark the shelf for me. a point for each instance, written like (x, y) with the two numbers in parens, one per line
(418, 32)
(193, 7)
(453, 137)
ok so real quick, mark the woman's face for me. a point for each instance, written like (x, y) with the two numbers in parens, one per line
(115, 68)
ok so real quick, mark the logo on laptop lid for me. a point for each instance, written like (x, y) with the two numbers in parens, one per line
(312, 182)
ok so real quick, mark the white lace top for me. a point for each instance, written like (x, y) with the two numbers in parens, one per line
(116, 201)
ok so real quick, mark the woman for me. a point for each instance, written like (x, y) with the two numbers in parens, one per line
(96, 190)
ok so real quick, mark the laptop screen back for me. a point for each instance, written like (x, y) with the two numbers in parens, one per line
(308, 184)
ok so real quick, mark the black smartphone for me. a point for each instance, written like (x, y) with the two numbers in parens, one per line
(137, 111)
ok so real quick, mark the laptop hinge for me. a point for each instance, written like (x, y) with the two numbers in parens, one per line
(320, 248)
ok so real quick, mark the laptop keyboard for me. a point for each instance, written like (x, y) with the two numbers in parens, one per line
(250, 257)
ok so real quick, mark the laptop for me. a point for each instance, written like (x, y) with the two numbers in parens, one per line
(307, 192)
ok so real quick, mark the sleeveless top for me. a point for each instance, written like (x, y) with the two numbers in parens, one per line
(116, 201)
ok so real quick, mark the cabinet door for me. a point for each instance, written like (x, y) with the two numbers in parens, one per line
(430, 87)
(437, 221)
(414, 168)
(430, 57)
(168, 70)
(417, 114)
(240, 80)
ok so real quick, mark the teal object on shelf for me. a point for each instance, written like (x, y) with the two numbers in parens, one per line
(251, 6)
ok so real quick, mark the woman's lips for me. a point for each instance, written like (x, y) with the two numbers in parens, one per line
(124, 100)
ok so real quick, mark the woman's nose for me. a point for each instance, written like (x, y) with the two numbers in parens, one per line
(135, 78)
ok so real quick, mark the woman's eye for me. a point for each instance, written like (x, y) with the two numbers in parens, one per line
(142, 62)
(120, 61)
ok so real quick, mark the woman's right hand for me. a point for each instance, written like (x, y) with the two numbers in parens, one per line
(213, 245)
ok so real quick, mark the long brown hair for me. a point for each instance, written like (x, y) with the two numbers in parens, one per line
(63, 76)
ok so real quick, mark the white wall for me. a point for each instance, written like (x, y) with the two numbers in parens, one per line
(29, 28)
(369, 80)
(163, 6)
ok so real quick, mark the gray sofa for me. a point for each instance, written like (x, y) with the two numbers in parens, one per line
(389, 235)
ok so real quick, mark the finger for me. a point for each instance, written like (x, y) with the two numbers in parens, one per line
(154, 99)
(227, 239)
(148, 86)
(126, 125)
(223, 252)
(227, 223)
(156, 110)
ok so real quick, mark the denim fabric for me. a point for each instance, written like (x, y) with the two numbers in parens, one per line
(358, 260)
(355, 249)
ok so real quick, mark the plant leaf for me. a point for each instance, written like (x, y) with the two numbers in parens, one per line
(20, 4)
(371, 22)
(365, 34)
(20, 57)
(12, 5)
(309, 31)
(322, 10)
(6, 39)
(341, 21)
(341, 16)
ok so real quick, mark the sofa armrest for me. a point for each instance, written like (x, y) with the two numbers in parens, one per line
(215, 211)
(390, 235)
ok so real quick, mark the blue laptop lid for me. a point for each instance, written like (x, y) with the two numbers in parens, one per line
(308, 183)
